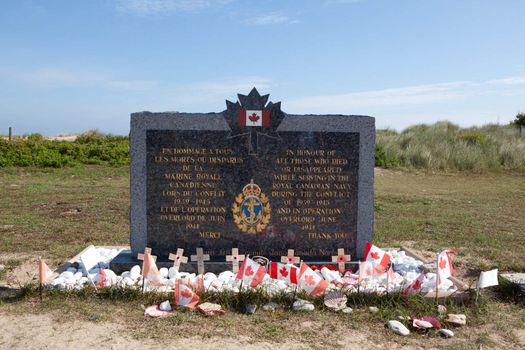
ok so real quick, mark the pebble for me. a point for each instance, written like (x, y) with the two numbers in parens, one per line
(442, 310)
(134, 273)
(373, 309)
(347, 310)
(404, 318)
(303, 305)
(78, 275)
(398, 328)
(72, 269)
(456, 319)
(67, 275)
(2, 268)
(165, 306)
(446, 333)
(251, 308)
(125, 274)
(164, 272)
(271, 306)
(172, 273)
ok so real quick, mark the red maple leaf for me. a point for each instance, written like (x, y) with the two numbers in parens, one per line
(248, 272)
(186, 293)
(283, 272)
(254, 117)
(416, 284)
(442, 263)
(309, 279)
(374, 255)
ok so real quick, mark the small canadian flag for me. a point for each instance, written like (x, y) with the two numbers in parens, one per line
(44, 272)
(310, 281)
(251, 273)
(184, 296)
(249, 117)
(415, 286)
(284, 272)
(444, 266)
(377, 256)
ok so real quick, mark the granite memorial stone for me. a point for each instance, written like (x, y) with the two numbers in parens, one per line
(254, 178)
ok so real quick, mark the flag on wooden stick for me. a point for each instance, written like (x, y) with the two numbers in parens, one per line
(251, 272)
(310, 281)
(444, 268)
(150, 272)
(284, 272)
(184, 296)
(44, 272)
(377, 256)
(415, 286)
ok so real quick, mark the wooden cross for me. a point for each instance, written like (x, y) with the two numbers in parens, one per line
(178, 259)
(146, 251)
(235, 258)
(340, 258)
(200, 258)
(290, 258)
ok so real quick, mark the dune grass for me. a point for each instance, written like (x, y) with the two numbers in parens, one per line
(447, 147)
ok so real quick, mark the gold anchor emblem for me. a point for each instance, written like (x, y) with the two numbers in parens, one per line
(251, 209)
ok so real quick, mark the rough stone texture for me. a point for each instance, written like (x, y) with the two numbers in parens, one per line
(314, 126)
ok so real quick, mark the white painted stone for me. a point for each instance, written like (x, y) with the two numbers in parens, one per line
(72, 270)
(331, 276)
(164, 272)
(125, 274)
(78, 275)
(303, 305)
(347, 310)
(66, 275)
(446, 333)
(398, 328)
(172, 273)
(134, 273)
(373, 309)
(456, 319)
(165, 306)
(271, 306)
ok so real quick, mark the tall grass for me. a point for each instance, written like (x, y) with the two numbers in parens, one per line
(445, 146)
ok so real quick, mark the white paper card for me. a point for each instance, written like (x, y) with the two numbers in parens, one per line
(89, 259)
(488, 278)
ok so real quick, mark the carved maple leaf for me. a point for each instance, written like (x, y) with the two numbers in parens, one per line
(186, 293)
(248, 272)
(284, 272)
(254, 117)
(374, 255)
(442, 263)
(309, 279)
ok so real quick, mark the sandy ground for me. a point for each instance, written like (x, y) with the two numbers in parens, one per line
(43, 332)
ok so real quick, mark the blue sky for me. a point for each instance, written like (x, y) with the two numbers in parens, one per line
(69, 66)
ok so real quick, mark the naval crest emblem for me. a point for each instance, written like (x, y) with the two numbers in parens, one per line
(251, 209)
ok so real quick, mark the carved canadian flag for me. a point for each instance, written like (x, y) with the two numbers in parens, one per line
(251, 273)
(284, 272)
(249, 117)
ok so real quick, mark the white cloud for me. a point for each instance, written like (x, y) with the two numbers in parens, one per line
(271, 18)
(56, 77)
(463, 102)
(146, 7)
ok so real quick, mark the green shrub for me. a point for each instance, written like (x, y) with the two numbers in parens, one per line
(88, 149)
